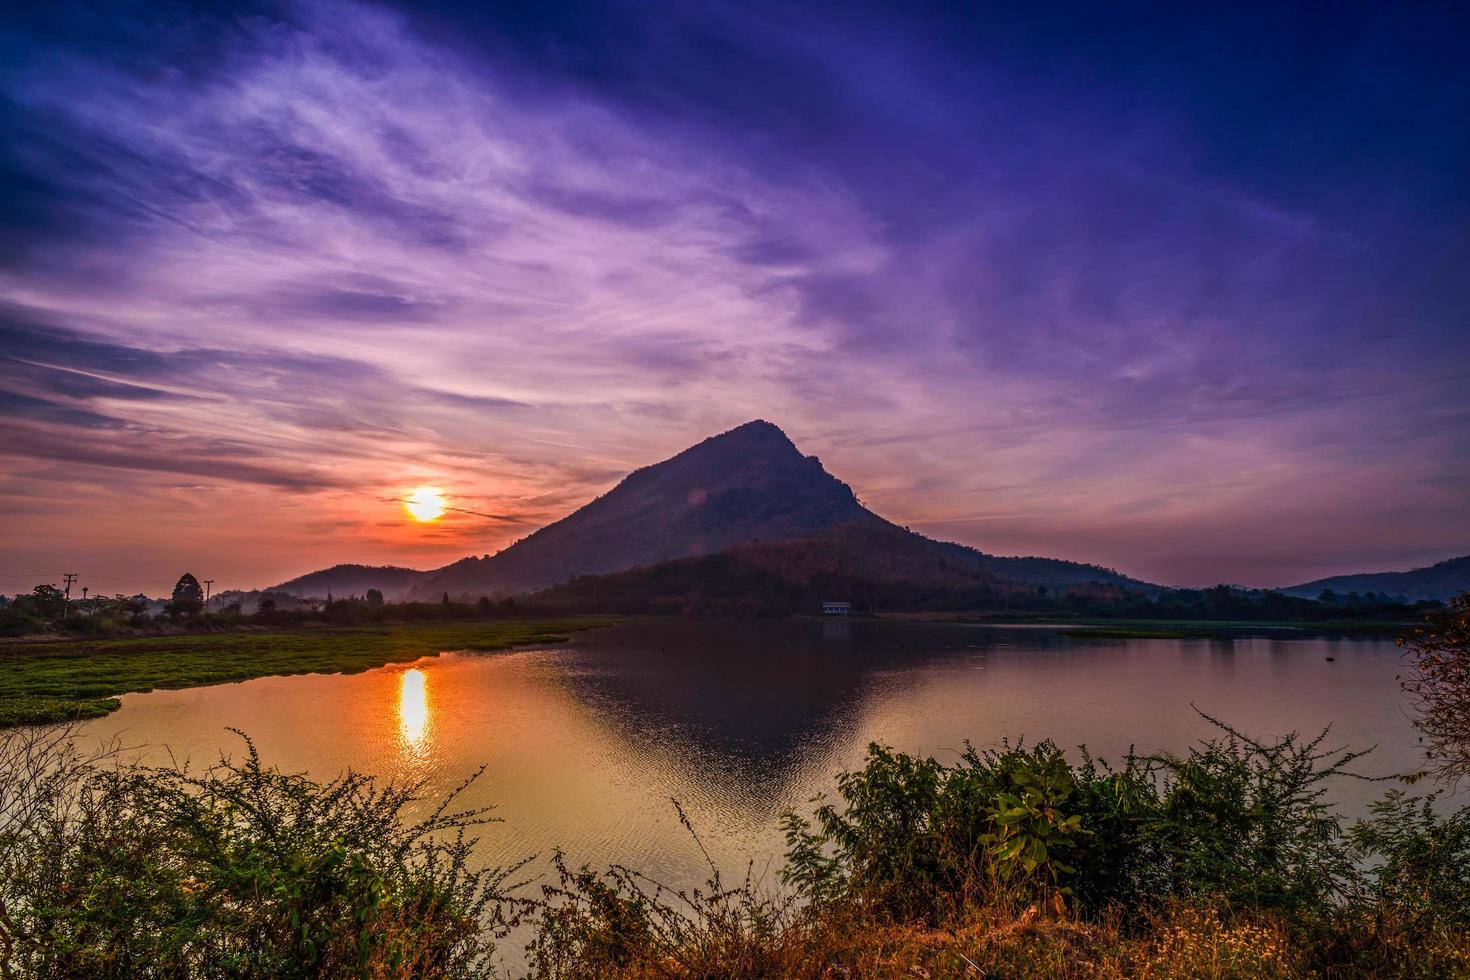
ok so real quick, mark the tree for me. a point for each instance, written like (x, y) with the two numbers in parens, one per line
(48, 601)
(1438, 682)
(188, 598)
(374, 598)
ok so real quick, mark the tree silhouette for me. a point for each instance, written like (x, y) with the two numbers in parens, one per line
(188, 598)
(1438, 682)
(49, 601)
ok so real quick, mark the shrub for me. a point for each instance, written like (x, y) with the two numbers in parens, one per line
(1418, 862)
(1236, 819)
(1247, 821)
(239, 870)
(915, 838)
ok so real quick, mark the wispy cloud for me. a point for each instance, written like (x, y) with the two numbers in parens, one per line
(314, 256)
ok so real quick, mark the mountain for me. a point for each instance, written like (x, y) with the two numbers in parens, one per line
(1440, 581)
(749, 486)
(345, 580)
(873, 565)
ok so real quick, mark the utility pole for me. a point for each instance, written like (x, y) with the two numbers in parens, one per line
(66, 599)
(207, 583)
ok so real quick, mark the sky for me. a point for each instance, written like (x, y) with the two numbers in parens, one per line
(1180, 290)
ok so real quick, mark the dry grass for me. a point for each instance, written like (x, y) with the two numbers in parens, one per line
(1181, 942)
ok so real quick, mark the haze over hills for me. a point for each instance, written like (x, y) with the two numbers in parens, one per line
(1438, 581)
(745, 489)
(394, 581)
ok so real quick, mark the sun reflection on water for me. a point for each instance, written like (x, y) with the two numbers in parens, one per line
(413, 709)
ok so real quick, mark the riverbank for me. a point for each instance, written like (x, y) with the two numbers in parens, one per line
(1166, 629)
(52, 680)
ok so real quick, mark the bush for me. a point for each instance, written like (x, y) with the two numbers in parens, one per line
(1418, 863)
(1246, 821)
(1237, 819)
(914, 838)
(239, 870)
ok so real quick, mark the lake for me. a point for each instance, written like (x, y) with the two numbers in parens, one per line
(585, 743)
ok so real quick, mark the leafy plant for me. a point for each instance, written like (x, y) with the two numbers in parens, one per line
(1236, 819)
(1418, 861)
(1030, 830)
(1247, 820)
(238, 870)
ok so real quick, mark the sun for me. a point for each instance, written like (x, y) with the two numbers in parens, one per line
(424, 503)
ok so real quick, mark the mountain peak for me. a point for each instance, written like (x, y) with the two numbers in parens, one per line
(755, 433)
(756, 426)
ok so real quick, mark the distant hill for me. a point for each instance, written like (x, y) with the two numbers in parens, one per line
(1057, 572)
(872, 565)
(1440, 581)
(345, 580)
(748, 486)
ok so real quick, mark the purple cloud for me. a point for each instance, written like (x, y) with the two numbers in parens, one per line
(1039, 306)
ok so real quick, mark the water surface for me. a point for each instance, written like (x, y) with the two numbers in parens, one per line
(585, 744)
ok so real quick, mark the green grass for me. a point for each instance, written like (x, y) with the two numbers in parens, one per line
(58, 680)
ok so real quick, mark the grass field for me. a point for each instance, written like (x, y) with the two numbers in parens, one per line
(45, 681)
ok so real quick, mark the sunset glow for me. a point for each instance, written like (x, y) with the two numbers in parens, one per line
(1133, 350)
(424, 504)
(413, 708)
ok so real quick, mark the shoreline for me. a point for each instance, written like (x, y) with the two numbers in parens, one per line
(65, 680)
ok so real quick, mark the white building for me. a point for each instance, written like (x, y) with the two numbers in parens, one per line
(831, 608)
